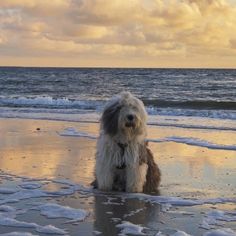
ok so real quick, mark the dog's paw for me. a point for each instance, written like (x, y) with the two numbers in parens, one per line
(134, 189)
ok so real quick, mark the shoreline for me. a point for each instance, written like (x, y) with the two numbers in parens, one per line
(36, 150)
(170, 146)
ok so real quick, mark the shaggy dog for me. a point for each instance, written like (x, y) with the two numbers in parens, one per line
(123, 160)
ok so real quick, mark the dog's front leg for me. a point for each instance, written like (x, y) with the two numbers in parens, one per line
(136, 177)
(104, 176)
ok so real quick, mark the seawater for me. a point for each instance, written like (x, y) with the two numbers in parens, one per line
(74, 94)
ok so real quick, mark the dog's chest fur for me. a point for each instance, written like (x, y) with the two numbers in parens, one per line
(125, 157)
(119, 181)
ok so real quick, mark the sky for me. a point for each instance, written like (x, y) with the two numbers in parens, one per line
(118, 33)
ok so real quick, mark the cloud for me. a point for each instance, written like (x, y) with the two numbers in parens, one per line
(151, 30)
(233, 43)
(35, 4)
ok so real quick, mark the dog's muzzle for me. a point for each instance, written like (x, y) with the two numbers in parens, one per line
(130, 124)
(130, 121)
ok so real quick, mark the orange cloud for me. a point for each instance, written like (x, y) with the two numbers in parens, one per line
(149, 33)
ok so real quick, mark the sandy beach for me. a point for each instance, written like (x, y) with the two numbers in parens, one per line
(45, 164)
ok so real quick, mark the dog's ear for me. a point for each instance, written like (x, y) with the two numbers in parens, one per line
(110, 118)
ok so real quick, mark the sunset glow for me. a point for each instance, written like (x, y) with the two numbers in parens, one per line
(104, 33)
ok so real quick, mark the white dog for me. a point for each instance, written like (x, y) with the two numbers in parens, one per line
(123, 161)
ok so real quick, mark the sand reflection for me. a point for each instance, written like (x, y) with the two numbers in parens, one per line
(186, 170)
(43, 153)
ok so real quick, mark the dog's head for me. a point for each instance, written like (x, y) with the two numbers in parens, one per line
(124, 115)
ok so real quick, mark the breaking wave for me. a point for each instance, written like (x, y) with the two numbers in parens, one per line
(218, 110)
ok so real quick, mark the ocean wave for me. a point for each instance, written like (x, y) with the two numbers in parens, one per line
(215, 114)
(91, 116)
(66, 105)
(197, 104)
(50, 102)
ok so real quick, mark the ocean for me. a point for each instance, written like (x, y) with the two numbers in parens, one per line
(192, 98)
(47, 158)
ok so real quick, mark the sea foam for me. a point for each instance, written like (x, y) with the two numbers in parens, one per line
(177, 139)
(52, 210)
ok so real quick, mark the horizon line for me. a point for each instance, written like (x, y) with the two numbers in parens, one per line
(119, 67)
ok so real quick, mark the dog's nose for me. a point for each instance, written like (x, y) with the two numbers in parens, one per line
(130, 117)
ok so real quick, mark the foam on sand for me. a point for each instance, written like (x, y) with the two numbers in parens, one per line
(180, 233)
(130, 228)
(220, 232)
(73, 132)
(177, 201)
(7, 218)
(32, 188)
(18, 234)
(194, 142)
(222, 215)
(217, 217)
(177, 139)
(24, 194)
(52, 210)
(71, 188)
(48, 229)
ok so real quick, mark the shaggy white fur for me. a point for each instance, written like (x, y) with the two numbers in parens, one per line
(122, 135)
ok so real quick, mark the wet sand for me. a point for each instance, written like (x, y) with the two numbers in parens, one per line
(34, 150)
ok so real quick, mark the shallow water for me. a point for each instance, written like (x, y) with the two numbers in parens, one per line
(59, 169)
